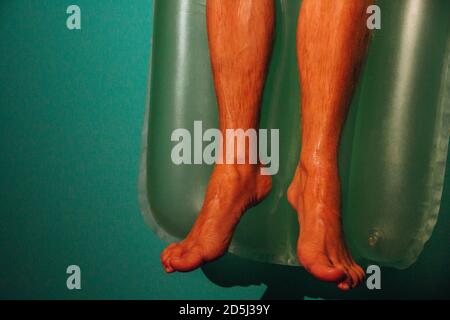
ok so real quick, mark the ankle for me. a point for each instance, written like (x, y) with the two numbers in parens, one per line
(239, 171)
(312, 164)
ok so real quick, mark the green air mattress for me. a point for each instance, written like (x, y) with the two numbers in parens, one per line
(393, 148)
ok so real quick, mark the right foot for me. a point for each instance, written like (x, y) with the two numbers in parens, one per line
(315, 195)
(232, 189)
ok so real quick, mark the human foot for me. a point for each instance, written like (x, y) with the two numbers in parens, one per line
(315, 195)
(232, 189)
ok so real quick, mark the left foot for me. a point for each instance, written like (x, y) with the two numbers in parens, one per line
(231, 190)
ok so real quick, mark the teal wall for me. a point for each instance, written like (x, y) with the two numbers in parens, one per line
(71, 112)
(72, 108)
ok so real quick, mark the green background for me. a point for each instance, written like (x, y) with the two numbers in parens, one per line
(71, 112)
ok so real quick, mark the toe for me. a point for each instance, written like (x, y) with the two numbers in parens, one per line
(186, 262)
(165, 254)
(355, 279)
(355, 275)
(344, 286)
(327, 273)
(166, 265)
(354, 271)
(167, 251)
(352, 276)
(168, 268)
(360, 272)
(348, 281)
(164, 260)
(171, 251)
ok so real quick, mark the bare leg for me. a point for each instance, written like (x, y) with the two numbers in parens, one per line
(332, 42)
(240, 40)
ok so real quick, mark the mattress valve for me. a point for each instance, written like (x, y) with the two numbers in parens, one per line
(374, 237)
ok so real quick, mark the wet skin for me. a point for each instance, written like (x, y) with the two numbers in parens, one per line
(332, 41)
